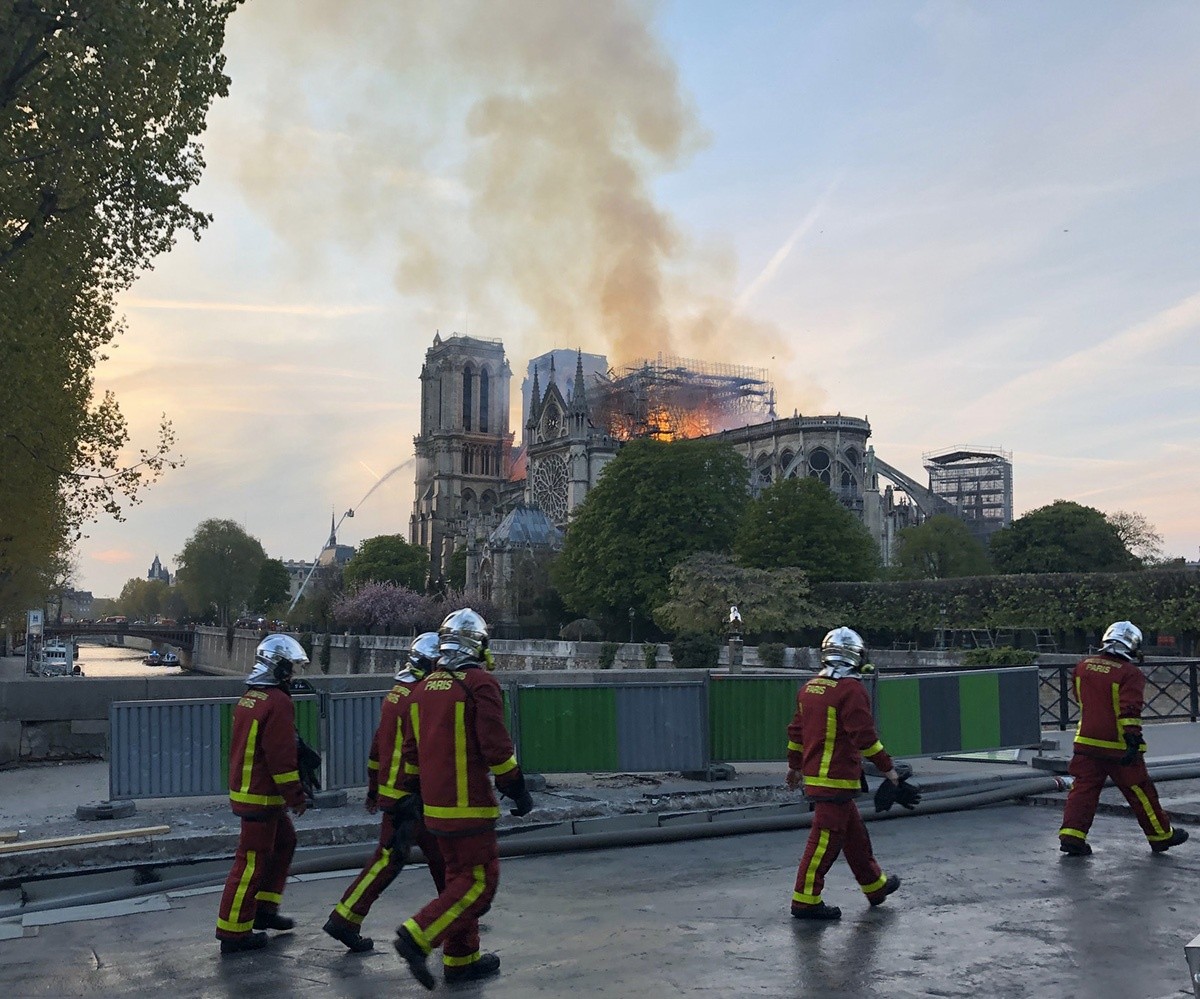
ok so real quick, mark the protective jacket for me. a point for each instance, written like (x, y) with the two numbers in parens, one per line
(1110, 692)
(385, 762)
(830, 734)
(456, 737)
(263, 771)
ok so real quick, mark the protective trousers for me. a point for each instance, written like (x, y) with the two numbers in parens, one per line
(381, 871)
(452, 919)
(1134, 781)
(837, 825)
(260, 870)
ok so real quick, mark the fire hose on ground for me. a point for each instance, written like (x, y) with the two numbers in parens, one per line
(530, 840)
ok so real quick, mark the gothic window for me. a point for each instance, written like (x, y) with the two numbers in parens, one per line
(852, 457)
(785, 460)
(484, 401)
(485, 579)
(487, 502)
(551, 422)
(468, 460)
(763, 470)
(467, 503)
(468, 380)
(550, 487)
(818, 465)
(485, 461)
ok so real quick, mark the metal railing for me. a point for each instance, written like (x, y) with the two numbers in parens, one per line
(1172, 693)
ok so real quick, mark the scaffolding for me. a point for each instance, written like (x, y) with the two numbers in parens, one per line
(672, 398)
(977, 482)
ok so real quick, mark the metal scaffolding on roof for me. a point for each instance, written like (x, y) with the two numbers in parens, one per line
(977, 481)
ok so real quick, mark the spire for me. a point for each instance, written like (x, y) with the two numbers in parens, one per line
(551, 381)
(579, 395)
(535, 399)
(332, 532)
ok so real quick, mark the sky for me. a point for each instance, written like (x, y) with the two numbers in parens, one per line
(970, 223)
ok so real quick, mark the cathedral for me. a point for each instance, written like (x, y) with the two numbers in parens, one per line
(508, 506)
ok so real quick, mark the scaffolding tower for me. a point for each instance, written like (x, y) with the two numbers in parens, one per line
(671, 398)
(978, 482)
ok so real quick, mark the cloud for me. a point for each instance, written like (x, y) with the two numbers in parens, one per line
(112, 556)
(268, 308)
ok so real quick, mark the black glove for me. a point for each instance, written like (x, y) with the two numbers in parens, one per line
(885, 795)
(906, 793)
(309, 765)
(520, 796)
(1133, 747)
(405, 816)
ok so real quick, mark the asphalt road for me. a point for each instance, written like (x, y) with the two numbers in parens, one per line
(988, 908)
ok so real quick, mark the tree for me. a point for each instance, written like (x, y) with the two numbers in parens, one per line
(142, 599)
(386, 607)
(1061, 537)
(940, 548)
(1138, 536)
(704, 587)
(219, 567)
(272, 588)
(100, 102)
(657, 503)
(387, 558)
(799, 522)
(456, 572)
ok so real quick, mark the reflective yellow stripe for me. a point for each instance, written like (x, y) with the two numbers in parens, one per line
(1083, 740)
(875, 747)
(411, 768)
(228, 927)
(460, 753)
(397, 751)
(1159, 832)
(255, 799)
(830, 738)
(478, 883)
(831, 782)
(1124, 722)
(239, 897)
(372, 764)
(394, 793)
(415, 716)
(795, 747)
(417, 934)
(1079, 701)
(874, 885)
(806, 899)
(269, 896)
(346, 914)
(377, 868)
(486, 812)
(1161, 836)
(505, 767)
(810, 874)
(1078, 834)
(248, 756)
(458, 962)
(292, 776)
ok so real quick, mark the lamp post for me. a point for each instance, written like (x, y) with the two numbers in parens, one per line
(631, 614)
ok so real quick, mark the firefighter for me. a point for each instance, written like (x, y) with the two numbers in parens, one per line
(832, 731)
(1109, 689)
(264, 781)
(402, 823)
(456, 739)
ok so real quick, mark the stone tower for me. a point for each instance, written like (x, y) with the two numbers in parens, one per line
(463, 449)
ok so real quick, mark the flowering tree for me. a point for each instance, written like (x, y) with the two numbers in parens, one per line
(385, 607)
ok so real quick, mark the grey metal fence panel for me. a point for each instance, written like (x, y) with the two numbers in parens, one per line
(353, 718)
(166, 749)
(662, 726)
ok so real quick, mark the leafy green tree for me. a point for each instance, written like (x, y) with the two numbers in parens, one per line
(456, 572)
(704, 587)
(1061, 537)
(273, 587)
(142, 599)
(940, 548)
(99, 106)
(387, 558)
(656, 504)
(799, 522)
(219, 567)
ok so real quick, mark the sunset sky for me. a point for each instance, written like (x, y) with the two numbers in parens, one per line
(971, 223)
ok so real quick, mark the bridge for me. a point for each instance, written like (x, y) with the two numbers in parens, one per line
(181, 637)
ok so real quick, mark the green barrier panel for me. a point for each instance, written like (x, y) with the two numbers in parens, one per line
(748, 717)
(898, 715)
(308, 723)
(979, 715)
(567, 729)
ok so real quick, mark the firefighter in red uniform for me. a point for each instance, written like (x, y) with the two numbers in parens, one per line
(402, 823)
(264, 781)
(457, 738)
(832, 731)
(1109, 688)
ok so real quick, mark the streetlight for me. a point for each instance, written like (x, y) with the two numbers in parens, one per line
(630, 625)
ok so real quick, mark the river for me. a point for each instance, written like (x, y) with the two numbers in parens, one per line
(99, 660)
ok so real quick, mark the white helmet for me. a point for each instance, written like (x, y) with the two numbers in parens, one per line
(275, 659)
(843, 646)
(422, 657)
(1123, 639)
(463, 632)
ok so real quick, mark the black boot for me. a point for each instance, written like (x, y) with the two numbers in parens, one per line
(820, 911)
(1177, 836)
(252, 941)
(1074, 847)
(273, 921)
(417, 959)
(351, 938)
(485, 967)
(889, 886)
